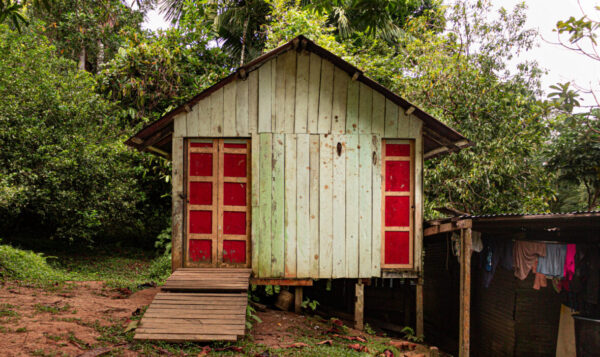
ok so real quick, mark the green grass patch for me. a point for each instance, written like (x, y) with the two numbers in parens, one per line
(52, 309)
(124, 269)
(6, 311)
(29, 267)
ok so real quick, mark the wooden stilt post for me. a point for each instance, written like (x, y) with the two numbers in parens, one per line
(419, 308)
(359, 305)
(298, 299)
(465, 292)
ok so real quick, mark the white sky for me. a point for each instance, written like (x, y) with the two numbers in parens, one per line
(562, 65)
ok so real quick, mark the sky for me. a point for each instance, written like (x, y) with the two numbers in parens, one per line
(561, 64)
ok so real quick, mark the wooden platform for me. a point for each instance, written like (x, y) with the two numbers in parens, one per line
(209, 279)
(198, 305)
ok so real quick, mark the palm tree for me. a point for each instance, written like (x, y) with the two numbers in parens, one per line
(237, 23)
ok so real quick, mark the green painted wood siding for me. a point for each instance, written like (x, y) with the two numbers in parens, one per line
(316, 164)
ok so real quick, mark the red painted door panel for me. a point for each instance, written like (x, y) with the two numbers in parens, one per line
(398, 203)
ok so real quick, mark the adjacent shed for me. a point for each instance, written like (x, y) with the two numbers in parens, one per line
(300, 167)
(508, 318)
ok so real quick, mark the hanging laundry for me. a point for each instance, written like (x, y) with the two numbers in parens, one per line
(494, 251)
(540, 279)
(569, 267)
(525, 255)
(477, 244)
(570, 261)
(553, 264)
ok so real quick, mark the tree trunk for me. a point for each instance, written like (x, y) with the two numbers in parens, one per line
(100, 58)
(243, 57)
(82, 57)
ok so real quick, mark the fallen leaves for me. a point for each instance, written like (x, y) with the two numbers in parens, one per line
(358, 347)
(404, 345)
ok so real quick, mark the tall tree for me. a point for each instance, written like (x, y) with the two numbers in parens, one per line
(89, 31)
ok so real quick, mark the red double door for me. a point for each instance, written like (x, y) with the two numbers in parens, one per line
(218, 196)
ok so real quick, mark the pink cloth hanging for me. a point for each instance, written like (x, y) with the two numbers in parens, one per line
(569, 266)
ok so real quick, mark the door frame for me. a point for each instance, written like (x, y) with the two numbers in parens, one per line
(217, 236)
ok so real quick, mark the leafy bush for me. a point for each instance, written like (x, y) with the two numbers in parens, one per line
(28, 266)
(64, 171)
(160, 268)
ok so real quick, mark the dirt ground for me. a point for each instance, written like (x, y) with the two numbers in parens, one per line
(70, 321)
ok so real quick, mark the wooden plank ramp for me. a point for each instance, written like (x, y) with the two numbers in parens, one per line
(198, 305)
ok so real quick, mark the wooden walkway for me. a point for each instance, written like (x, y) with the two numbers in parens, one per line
(198, 305)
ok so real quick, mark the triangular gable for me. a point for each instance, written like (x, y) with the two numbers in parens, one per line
(438, 137)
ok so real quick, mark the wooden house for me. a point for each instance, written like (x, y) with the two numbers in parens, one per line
(298, 167)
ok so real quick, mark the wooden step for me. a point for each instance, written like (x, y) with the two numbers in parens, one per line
(209, 279)
(188, 309)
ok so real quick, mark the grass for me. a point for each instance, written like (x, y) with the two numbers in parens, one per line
(130, 269)
(52, 309)
(123, 269)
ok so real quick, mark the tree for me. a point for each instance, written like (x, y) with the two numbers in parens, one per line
(64, 172)
(460, 76)
(150, 76)
(89, 31)
(574, 151)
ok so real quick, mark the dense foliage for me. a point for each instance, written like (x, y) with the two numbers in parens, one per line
(66, 175)
(78, 77)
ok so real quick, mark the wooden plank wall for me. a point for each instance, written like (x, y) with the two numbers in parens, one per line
(302, 112)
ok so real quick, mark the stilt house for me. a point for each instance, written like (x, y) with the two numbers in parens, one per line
(298, 167)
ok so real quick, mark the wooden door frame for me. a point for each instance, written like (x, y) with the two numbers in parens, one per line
(217, 236)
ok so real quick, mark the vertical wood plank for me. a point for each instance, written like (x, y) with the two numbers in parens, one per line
(216, 112)
(314, 206)
(204, 121)
(266, 177)
(352, 191)
(279, 126)
(255, 194)
(229, 105)
(378, 123)
(264, 98)
(352, 108)
(301, 109)
(177, 178)
(290, 205)
(180, 126)
(314, 82)
(391, 119)
(365, 109)
(359, 305)
(403, 124)
(278, 206)
(303, 221)
(273, 93)
(377, 208)
(325, 209)
(325, 97)
(192, 121)
(253, 102)
(298, 299)
(365, 205)
(339, 206)
(290, 91)
(340, 96)
(241, 109)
